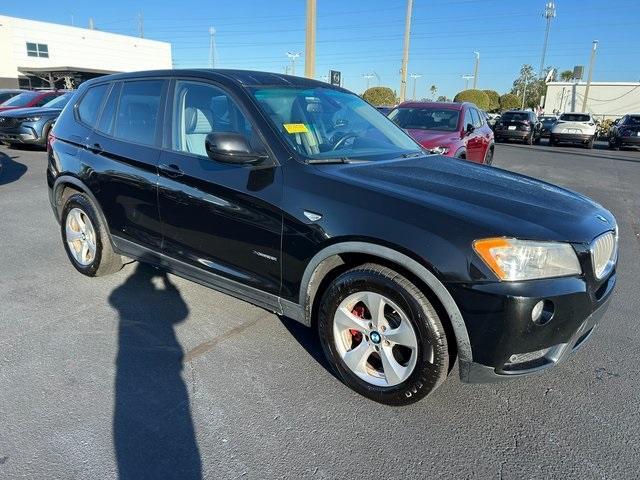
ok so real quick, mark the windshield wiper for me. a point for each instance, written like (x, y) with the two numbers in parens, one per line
(418, 153)
(330, 160)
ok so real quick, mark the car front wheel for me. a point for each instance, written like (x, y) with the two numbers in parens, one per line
(85, 238)
(383, 337)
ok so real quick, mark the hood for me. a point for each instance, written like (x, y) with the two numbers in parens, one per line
(32, 111)
(493, 200)
(433, 138)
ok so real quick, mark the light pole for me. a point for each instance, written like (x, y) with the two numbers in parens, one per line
(212, 47)
(415, 77)
(310, 41)
(549, 14)
(466, 80)
(475, 70)
(524, 91)
(405, 52)
(594, 47)
(368, 76)
(293, 56)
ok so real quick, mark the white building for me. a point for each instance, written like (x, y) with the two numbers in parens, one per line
(606, 99)
(33, 54)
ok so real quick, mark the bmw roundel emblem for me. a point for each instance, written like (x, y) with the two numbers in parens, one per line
(375, 337)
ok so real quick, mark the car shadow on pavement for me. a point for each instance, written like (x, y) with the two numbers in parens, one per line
(308, 339)
(10, 170)
(153, 430)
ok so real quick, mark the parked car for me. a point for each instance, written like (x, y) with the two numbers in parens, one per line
(446, 128)
(518, 125)
(29, 99)
(7, 93)
(384, 110)
(31, 125)
(300, 197)
(625, 132)
(492, 118)
(574, 127)
(547, 122)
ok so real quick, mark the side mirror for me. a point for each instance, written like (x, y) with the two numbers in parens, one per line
(231, 147)
(470, 128)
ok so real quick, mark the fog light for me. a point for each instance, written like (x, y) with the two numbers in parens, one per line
(542, 312)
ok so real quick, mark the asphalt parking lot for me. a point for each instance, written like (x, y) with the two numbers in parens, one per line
(146, 375)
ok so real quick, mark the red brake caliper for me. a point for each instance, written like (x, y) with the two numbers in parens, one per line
(358, 311)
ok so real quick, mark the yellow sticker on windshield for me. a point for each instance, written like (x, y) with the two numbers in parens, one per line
(295, 127)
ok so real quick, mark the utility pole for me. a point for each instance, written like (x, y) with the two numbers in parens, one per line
(415, 77)
(524, 91)
(92, 25)
(405, 52)
(466, 80)
(293, 56)
(549, 14)
(141, 24)
(310, 41)
(475, 70)
(212, 47)
(368, 76)
(591, 62)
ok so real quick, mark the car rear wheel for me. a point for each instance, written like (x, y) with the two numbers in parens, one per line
(86, 239)
(613, 144)
(552, 141)
(488, 158)
(382, 335)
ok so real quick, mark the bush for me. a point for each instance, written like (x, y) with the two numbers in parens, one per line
(509, 101)
(494, 100)
(478, 97)
(379, 96)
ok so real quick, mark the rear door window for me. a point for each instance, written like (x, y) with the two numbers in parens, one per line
(468, 119)
(477, 118)
(138, 110)
(89, 106)
(108, 116)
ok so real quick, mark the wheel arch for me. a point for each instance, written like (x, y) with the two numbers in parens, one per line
(331, 259)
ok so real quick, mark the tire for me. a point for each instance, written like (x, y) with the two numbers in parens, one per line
(589, 144)
(488, 157)
(528, 140)
(45, 135)
(427, 363)
(101, 259)
(552, 141)
(613, 145)
(498, 139)
(536, 140)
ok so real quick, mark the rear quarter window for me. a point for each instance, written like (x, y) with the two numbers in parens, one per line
(89, 106)
(138, 110)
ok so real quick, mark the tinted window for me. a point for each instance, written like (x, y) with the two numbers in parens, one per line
(575, 117)
(5, 96)
(20, 100)
(44, 100)
(89, 106)
(443, 119)
(477, 119)
(468, 119)
(200, 109)
(515, 116)
(59, 102)
(107, 118)
(632, 120)
(138, 109)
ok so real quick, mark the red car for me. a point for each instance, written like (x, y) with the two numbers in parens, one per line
(453, 129)
(29, 99)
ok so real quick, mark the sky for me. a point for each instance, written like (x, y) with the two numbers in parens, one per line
(359, 37)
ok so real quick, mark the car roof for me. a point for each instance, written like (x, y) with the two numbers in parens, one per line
(244, 78)
(449, 105)
(18, 90)
(575, 113)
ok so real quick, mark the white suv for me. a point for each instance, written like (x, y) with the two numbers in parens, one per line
(574, 127)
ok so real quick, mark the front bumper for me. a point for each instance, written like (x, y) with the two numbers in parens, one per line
(635, 140)
(572, 137)
(24, 134)
(506, 343)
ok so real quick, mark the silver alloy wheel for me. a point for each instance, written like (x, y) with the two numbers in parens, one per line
(375, 339)
(80, 236)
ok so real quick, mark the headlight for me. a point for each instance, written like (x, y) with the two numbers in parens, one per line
(31, 119)
(439, 150)
(511, 259)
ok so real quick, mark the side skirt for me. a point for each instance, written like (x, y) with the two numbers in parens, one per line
(265, 300)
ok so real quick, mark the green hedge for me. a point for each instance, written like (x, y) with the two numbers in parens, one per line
(509, 101)
(479, 97)
(380, 96)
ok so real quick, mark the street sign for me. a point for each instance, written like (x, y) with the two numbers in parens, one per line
(577, 72)
(335, 77)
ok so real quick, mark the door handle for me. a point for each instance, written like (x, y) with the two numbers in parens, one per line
(171, 170)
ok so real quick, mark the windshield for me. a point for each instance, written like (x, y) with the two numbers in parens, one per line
(547, 119)
(59, 102)
(574, 117)
(20, 100)
(632, 121)
(442, 119)
(322, 123)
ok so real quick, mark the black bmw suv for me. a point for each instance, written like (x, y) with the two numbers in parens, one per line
(300, 197)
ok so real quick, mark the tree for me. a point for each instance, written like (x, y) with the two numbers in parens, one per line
(433, 90)
(509, 101)
(443, 98)
(474, 96)
(529, 85)
(566, 76)
(379, 96)
(494, 100)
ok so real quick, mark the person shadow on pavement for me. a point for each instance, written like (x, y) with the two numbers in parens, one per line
(153, 431)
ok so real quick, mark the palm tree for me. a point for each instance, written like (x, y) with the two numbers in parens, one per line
(433, 91)
(566, 76)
